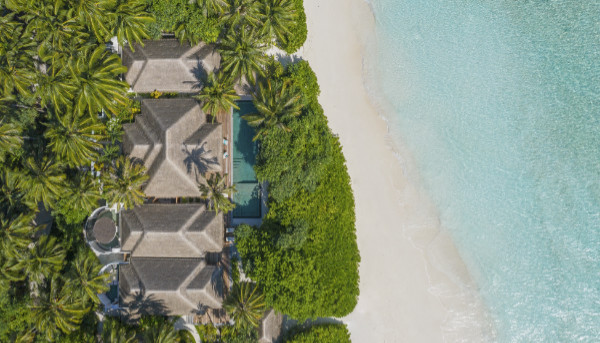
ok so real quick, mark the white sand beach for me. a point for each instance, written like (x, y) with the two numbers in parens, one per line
(414, 286)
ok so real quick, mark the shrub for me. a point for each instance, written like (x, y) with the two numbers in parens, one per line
(327, 333)
(208, 333)
(185, 19)
(297, 35)
(304, 255)
(156, 94)
(186, 337)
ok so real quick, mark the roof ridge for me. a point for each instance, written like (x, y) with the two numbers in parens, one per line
(180, 172)
(140, 229)
(182, 290)
(185, 227)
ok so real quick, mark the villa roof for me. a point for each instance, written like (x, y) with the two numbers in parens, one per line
(169, 66)
(170, 286)
(171, 230)
(176, 144)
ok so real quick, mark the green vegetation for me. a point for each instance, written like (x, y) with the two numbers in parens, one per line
(276, 104)
(304, 256)
(326, 333)
(217, 95)
(297, 31)
(56, 75)
(243, 55)
(227, 334)
(214, 192)
(191, 21)
(245, 304)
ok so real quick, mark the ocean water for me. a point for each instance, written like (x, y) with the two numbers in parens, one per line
(499, 104)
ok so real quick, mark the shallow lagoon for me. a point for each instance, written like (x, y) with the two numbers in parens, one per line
(499, 103)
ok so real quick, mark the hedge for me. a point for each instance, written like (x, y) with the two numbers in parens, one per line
(304, 255)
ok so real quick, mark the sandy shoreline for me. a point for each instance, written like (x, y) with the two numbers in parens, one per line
(414, 286)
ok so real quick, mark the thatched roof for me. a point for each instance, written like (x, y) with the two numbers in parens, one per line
(170, 286)
(171, 230)
(176, 144)
(169, 66)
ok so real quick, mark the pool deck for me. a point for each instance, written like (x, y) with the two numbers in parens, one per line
(227, 127)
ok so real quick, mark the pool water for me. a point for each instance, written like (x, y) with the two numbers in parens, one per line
(248, 195)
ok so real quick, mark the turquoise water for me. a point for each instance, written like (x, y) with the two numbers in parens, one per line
(499, 102)
(247, 197)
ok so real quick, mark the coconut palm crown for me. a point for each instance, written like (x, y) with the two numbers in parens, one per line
(123, 185)
(85, 281)
(276, 18)
(74, 138)
(243, 55)
(276, 102)
(217, 95)
(215, 192)
(56, 310)
(245, 304)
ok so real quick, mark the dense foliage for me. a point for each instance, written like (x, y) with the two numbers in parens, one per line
(281, 23)
(56, 75)
(297, 31)
(191, 21)
(304, 255)
(326, 333)
(227, 334)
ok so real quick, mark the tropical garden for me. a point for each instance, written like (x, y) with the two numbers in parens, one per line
(62, 106)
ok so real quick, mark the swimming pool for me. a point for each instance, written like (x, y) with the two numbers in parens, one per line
(248, 196)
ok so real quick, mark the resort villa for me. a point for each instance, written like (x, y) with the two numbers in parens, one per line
(169, 256)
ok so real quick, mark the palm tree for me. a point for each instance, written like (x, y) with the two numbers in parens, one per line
(215, 191)
(157, 329)
(74, 138)
(124, 183)
(53, 25)
(245, 304)
(85, 282)
(10, 138)
(95, 77)
(16, 62)
(42, 259)
(91, 14)
(115, 332)
(275, 103)
(129, 20)
(243, 55)
(84, 192)
(55, 88)
(8, 273)
(241, 13)
(276, 18)
(212, 7)
(25, 337)
(42, 180)
(11, 197)
(16, 232)
(217, 95)
(57, 311)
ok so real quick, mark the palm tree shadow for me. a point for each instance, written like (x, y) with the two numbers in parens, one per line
(203, 65)
(199, 160)
(200, 73)
(141, 304)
